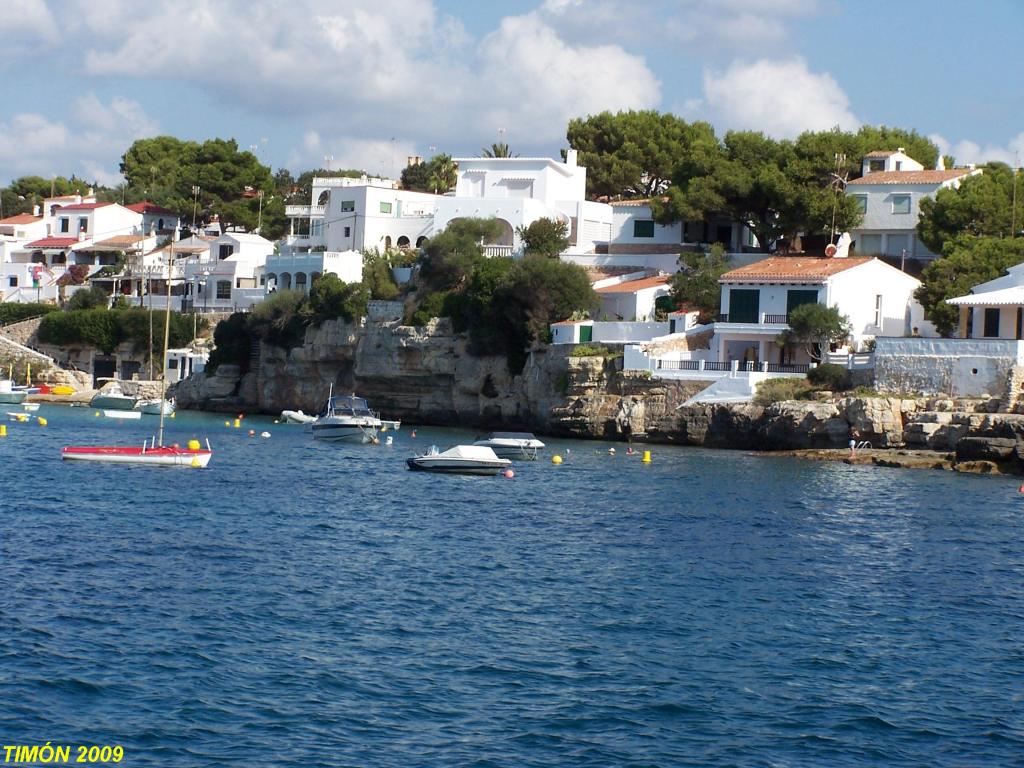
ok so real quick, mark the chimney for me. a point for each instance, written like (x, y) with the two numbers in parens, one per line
(901, 150)
(570, 157)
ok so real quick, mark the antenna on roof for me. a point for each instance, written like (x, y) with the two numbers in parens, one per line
(838, 184)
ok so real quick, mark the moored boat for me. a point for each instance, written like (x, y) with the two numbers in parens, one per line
(112, 398)
(512, 445)
(151, 454)
(156, 406)
(296, 417)
(11, 395)
(347, 418)
(460, 460)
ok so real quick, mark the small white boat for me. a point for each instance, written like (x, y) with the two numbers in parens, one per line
(385, 425)
(154, 406)
(512, 445)
(460, 459)
(18, 416)
(113, 399)
(30, 406)
(347, 418)
(11, 395)
(296, 417)
(115, 414)
(150, 454)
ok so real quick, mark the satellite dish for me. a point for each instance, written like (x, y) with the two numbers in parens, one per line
(830, 250)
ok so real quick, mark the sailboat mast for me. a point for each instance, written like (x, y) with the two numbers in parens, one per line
(167, 334)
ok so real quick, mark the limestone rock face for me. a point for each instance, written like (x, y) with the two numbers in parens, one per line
(879, 420)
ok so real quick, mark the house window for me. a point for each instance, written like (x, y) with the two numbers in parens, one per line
(901, 203)
(878, 310)
(385, 207)
(12, 281)
(896, 245)
(226, 250)
(348, 231)
(223, 289)
(643, 228)
(862, 203)
(159, 223)
(899, 165)
(991, 322)
(744, 305)
(347, 206)
(64, 224)
(876, 165)
(799, 297)
(83, 225)
(870, 244)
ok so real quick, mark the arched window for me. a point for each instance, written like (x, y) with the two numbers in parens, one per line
(421, 240)
(324, 197)
(387, 241)
(402, 242)
(159, 223)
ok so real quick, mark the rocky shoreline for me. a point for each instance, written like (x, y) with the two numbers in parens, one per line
(426, 376)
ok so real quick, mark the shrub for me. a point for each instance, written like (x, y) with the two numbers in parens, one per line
(281, 318)
(595, 350)
(830, 376)
(330, 298)
(378, 279)
(233, 339)
(11, 312)
(432, 306)
(776, 390)
(88, 298)
(92, 327)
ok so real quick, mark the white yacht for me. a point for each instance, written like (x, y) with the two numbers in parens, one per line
(347, 418)
(512, 445)
(460, 459)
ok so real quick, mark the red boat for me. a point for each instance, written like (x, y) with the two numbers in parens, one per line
(153, 454)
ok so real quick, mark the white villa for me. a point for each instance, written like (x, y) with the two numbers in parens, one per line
(226, 275)
(993, 310)
(889, 194)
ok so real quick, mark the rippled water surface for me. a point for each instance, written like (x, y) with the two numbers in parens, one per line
(317, 605)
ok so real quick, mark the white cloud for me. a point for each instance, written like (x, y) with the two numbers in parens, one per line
(781, 98)
(967, 151)
(88, 145)
(378, 157)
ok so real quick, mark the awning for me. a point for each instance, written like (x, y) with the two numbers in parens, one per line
(1001, 298)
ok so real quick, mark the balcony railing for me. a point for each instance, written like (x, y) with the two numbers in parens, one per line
(763, 319)
(305, 210)
(679, 365)
(497, 250)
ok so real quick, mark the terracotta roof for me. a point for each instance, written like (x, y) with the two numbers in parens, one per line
(785, 269)
(84, 206)
(881, 153)
(52, 242)
(635, 285)
(21, 218)
(147, 207)
(596, 273)
(912, 177)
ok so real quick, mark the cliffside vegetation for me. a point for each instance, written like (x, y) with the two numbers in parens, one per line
(106, 329)
(11, 312)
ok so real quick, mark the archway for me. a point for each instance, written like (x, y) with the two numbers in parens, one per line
(325, 196)
(421, 241)
(285, 281)
(300, 281)
(387, 242)
(402, 242)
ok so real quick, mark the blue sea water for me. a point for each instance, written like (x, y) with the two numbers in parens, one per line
(319, 605)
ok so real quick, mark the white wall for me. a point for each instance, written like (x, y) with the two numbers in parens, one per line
(854, 292)
(954, 367)
(623, 218)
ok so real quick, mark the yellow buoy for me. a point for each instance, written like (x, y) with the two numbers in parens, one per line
(193, 445)
(196, 464)
(42, 421)
(227, 423)
(647, 457)
(3, 430)
(173, 415)
(556, 459)
(238, 423)
(97, 413)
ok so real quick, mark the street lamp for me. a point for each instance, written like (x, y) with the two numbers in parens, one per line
(195, 204)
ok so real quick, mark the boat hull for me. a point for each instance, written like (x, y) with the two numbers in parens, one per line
(12, 398)
(449, 467)
(166, 456)
(113, 402)
(344, 432)
(153, 407)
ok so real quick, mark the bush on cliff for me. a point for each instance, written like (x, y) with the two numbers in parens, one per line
(451, 256)
(432, 305)
(233, 340)
(777, 390)
(93, 297)
(830, 376)
(11, 312)
(330, 298)
(105, 329)
(281, 318)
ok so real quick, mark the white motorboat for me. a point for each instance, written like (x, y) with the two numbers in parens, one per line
(116, 414)
(460, 459)
(11, 395)
(113, 398)
(296, 417)
(347, 418)
(156, 406)
(512, 445)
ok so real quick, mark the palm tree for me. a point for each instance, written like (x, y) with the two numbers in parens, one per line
(498, 150)
(443, 175)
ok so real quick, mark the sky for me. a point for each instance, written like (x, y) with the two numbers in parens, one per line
(356, 84)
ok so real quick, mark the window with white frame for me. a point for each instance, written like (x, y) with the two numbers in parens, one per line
(83, 224)
(65, 224)
(385, 207)
(878, 310)
(347, 206)
(901, 203)
(862, 203)
(870, 244)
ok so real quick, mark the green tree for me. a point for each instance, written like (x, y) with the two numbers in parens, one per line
(497, 150)
(545, 237)
(378, 279)
(331, 298)
(88, 298)
(815, 326)
(882, 137)
(982, 206)
(696, 283)
(634, 154)
(451, 256)
(27, 192)
(746, 178)
(966, 261)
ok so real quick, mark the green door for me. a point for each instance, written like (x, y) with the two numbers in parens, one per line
(795, 299)
(586, 333)
(744, 305)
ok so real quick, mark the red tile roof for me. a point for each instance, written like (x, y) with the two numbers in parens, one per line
(52, 242)
(120, 241)
(796, 269)
(21, 218)
(147, 207)
(912, 177)
(84, 206)
(635, 285)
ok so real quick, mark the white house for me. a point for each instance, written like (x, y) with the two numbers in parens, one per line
(889, 195)
(226, 276)
(631, 300)
(757, 299)
(518, 191)
(993, 310)
(16, 275)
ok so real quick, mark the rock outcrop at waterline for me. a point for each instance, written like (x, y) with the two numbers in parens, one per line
(427, 376)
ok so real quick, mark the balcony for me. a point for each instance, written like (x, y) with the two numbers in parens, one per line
(764, 318)
(491, 251)
(304, 211)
